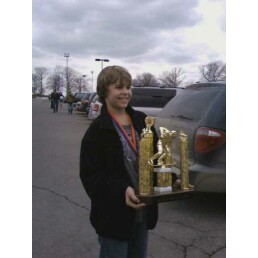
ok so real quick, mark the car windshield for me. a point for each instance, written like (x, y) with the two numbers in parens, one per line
(190, 105)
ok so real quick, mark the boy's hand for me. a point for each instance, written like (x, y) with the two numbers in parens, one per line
(131, 200)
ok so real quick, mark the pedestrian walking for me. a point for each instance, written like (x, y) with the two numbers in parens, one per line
(70, 100)
(109, 170)
(55, 96)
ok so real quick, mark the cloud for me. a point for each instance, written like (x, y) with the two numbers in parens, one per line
(130, 32)
(111, 27)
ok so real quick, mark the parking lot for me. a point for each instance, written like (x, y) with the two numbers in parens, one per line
(193, 228)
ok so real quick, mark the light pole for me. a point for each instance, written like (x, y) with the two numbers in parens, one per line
(85, 76)
(92, 81)
(66, 55)
(102, 60)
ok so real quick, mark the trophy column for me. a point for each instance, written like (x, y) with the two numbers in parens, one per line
(146, 152)
(184, 172)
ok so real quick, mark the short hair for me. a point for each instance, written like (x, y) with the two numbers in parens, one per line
(110, 75)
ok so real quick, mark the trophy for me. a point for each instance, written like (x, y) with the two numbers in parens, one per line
(161, 163)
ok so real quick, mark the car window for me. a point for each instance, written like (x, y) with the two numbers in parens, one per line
(151, 97)
(80, 95)
(92, 95)
(191, 104)
(87, 96)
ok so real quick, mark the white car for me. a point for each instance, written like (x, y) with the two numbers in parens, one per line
(95, 108)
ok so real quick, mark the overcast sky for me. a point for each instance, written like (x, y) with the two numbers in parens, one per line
(143, 36)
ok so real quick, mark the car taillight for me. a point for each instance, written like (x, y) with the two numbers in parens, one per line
(208, 139)
(96, 107)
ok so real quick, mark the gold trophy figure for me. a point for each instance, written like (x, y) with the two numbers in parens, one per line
(165, 160)
(146, 151)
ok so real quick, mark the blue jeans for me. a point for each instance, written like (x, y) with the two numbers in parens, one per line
(136, 247)
(70, 108)
(55, 105)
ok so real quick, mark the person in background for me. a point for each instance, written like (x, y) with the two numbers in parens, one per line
(109, 170)
(55, 96)
(70, 100)
(61, 99)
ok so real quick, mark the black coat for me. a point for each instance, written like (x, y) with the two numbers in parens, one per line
(104, 177)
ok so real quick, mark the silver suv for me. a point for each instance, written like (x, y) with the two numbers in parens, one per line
(200, 112)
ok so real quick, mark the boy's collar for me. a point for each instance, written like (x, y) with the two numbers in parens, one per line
(106, 120)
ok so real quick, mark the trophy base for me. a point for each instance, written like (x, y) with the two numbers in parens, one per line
(166, 166)
(162, 189)
(158, 197)
(162, 170)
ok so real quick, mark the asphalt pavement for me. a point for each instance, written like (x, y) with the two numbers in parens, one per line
(194, 228)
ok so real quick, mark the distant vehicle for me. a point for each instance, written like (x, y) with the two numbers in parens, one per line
(84, 102)
(151, 100)
(95, 108)
(200, 112)
(91, 97)
(78, 96)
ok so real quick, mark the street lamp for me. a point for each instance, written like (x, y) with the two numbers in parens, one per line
(102, 60)
(92, 81)
(66, 55)
(84, 76)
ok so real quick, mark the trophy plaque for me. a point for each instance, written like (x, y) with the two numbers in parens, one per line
(159, 166)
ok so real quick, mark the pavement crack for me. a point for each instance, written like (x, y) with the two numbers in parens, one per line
(185, 247)
(223, 247)
(185, 225)
(166, 239)
(62, 196)
(207, 253)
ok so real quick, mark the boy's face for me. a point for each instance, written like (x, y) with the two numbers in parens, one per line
(118, 95)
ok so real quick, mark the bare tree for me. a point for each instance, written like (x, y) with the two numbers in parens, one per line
(145, 80)
(173, 78)
(34, 83)
(56, 79)
(71, 76)
(213, 71)
(76, 81)
(40, 73)
(81, 82)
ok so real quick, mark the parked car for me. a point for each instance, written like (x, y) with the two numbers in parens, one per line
(95, 108)
(77, 104)
(151, 100)
(91, 97)
(200, 112)
(84, 102)
(79, 95)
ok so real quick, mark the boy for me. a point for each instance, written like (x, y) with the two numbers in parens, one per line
(109, 170)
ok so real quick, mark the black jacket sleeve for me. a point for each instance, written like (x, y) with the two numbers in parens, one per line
(98, 180)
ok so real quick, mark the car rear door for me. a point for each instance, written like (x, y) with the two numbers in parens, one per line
(185, 112)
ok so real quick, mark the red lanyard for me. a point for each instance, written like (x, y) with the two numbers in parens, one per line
(132, 141)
